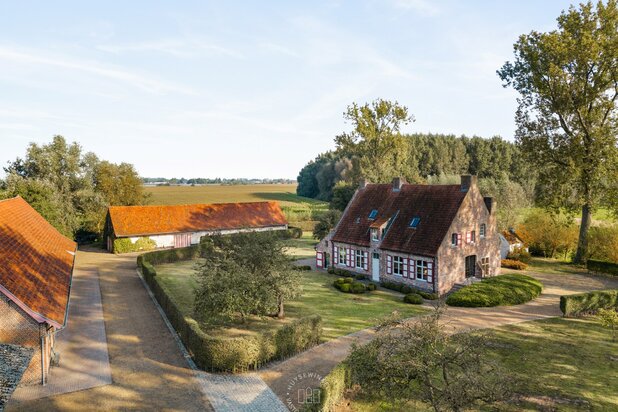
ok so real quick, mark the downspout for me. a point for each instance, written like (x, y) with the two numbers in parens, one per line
(43, 380)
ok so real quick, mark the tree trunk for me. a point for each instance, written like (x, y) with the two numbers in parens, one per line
(280, 313)
(582, 243)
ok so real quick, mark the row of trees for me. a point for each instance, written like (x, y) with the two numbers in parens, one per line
(69, 188)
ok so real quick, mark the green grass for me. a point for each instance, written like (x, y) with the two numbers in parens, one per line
(302, 248)
(296, 208)
(341, 313)
(503, 290)
(561, 364)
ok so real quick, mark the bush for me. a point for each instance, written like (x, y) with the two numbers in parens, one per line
(125, 245)
(302, 267)
(406, 289)
(349, 280)
(334, 386)
(501, 290)
(520, 254)
(345, 287)
(293, 232)
(413, 298)
(227, 355)
(599, 266)
(513, 264)
(428, 295)
(603, 243)
(358, 287)
(371, 286)
(590, 302)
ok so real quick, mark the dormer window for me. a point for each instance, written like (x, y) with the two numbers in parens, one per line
(373, 214)
(357, 220)
(375, 235)
(414, 222)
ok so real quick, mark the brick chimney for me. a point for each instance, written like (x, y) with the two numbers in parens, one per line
(467, 182)
(490, 203)
(397, 183)
(363, 183)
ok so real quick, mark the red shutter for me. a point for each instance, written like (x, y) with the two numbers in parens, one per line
(389, 264)
(366, 260)
(430, 272)
(405, 267)
(319, 262)
(468, 237)
(459, 240)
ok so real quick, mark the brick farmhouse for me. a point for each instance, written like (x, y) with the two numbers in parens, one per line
(36, 269)
(430, 237)
(184, 225)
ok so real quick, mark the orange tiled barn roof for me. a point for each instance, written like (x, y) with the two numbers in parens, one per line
(36, 262)
(152, 220)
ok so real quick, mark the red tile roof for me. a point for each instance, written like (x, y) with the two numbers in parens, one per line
(511, 237)
(152, 220)
(36, 262)
(435, 205)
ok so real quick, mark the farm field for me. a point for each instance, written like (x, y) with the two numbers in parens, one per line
(300, 211)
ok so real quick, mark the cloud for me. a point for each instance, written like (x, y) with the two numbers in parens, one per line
(423, 7)
(119, 74)
(176, 48)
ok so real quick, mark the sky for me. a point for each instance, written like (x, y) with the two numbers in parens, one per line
(249, 88)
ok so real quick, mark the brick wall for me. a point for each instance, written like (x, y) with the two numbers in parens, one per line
(17, 328)
(410, 279)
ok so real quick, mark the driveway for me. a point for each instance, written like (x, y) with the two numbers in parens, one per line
(148, 370)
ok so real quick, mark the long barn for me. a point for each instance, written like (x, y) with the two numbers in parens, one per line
(184, 225)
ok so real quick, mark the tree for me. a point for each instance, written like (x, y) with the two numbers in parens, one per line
(567, 119)
(243, 274)
(119, 184)
(342, 194)
(326, 222)
(419, 360)
(609, 319)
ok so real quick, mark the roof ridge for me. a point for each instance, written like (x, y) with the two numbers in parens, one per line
(199, 204)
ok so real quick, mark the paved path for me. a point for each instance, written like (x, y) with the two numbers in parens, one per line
(148, 370)
(321, 359)
(82, 344)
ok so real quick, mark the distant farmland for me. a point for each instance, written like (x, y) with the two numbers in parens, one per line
(300, 211)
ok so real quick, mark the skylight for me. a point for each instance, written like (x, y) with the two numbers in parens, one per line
(415, 221)
(373, 214)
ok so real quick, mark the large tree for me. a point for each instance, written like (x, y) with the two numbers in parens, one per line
(567, 119)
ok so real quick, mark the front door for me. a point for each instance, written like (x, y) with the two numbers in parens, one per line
(375, 267)
(326, 260)
(470, 266)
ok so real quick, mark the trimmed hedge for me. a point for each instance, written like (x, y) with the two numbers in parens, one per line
(513, 264)
(340, 272)
(234, 354)
(349, 285)
(407, 289)
(125, 245)
(413, 298)
(302, 267)
(600, 266)
(500, 290)
(333, 387)
(590, 302)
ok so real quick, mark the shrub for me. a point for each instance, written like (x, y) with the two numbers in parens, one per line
(608, 268)
(520, 254)
(428, 295)
(345, 287)
(294, 232)
(603, 243)
(497, 291)
(513, 264)
(334, 386)
(406, 289)
(413, 298)
(590, 302)
(227, 355)
(331, 271)
(349, 280)
(360, 276)
(371, 286)
(358, 287)
(125, 245)
(302, 267)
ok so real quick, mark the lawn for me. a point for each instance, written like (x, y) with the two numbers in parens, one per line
(562, 364)
(342, 313)
(296, 208)
(302, 248)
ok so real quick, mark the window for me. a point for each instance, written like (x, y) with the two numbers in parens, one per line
(375, 235)
(360, 259)
(485, 265)
(473, 236)
(398, 265)
(454, 238)
(341, 252)
(414, 222)
(422, 270)
(357, 220)
(373, 214)
(483, 230)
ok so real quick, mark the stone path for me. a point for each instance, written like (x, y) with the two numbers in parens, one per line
(82, 344)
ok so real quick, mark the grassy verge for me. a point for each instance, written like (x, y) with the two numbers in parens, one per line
(341, 313)
(563, 364)
(504, 290)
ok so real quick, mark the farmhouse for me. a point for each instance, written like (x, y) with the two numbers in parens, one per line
(428, 236)
(36, 268)
(509, 242)
(184, 225)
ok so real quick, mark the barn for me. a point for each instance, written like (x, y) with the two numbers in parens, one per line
(184, 225)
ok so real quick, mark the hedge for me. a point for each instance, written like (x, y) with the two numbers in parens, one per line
(413, 298)
(590, 302)
(333, 387)
(234, 354)
(503, 290)
(126, 245)
(349, 285)
(513, 264)
(600, 266)
(407, 289)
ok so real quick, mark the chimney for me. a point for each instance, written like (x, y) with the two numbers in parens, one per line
(397, 183)
(490, 203)
(363, 183)
(467, 182)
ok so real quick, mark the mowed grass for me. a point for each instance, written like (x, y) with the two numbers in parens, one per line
(559, 364)
(302, 248)
(342, 313)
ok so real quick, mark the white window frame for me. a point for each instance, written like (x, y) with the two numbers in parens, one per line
(454, 236)
(359, 257)
(341, 255)
(422, 269)
(483, 230)
(375, 235)
(397, 264)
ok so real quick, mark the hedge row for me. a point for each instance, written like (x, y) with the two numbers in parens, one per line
(126, 245)
(407, 289)
(349, 285)
(334, 386)
(513, 264)
(503, 290)
(600, 266)
(590, 302)
(227, 355)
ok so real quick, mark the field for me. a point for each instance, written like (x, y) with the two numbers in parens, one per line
(559, 364)
(300, 211)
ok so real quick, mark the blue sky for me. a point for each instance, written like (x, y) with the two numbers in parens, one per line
(253, 88)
